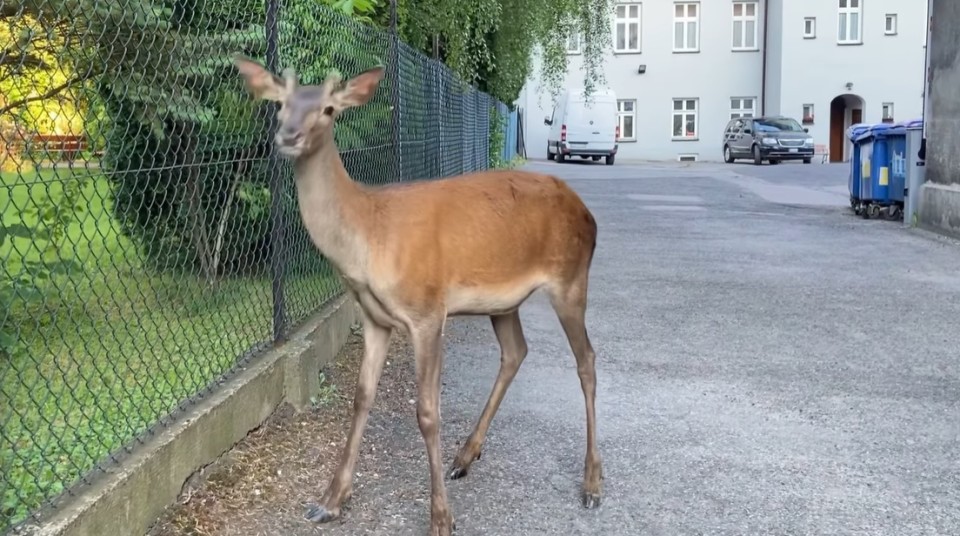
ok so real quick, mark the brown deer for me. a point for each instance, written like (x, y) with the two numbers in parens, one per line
(414, 254)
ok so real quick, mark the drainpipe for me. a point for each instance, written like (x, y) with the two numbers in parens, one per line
(763, 69)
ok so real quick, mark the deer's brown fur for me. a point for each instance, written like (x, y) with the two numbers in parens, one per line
(414, 254)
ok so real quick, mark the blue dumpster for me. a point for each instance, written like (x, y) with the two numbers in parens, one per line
(896, 141)
(853, 180)
(874, 170)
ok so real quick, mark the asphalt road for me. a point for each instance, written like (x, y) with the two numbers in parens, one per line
(768, 363)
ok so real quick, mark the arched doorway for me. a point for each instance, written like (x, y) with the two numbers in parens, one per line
(845, 110)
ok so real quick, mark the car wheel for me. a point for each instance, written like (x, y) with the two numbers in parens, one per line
(774, 161)
(727, 155)
(610, 159)
(550, 156)
(806, 160)
(561, 157)
(757, 159)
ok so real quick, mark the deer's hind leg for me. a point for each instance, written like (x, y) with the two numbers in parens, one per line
(513, 349)
(570, 304)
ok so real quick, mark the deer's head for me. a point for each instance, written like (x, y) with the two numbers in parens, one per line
(306, 112)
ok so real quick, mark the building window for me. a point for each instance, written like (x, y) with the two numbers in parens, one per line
(685, 119)
(742, 107)
(809, 27)
(686, 27)
(850, 21)
(807, 114)
(887, 113)
(627, 119)
(573, 42)
(890, 26)
(745, 26)
(627, 28)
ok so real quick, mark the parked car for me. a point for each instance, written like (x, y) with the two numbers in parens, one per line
(772, 138)
(587, 130)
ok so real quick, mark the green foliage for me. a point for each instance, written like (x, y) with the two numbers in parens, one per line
(492, 42)
(498, 124)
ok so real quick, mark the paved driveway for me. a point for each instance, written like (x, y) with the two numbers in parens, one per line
(768, 363)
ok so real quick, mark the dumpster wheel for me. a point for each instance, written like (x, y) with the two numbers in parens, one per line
(874, 211)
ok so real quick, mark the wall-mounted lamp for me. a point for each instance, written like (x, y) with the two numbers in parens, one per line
(642, 69)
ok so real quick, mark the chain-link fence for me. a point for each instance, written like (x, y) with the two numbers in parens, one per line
(149, 233)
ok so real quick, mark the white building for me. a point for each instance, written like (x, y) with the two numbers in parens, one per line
(826, 63)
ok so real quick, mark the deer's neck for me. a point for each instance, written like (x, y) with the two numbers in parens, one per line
(332, 207)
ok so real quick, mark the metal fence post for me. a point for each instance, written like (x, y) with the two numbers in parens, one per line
(277, 224)
(395, 91)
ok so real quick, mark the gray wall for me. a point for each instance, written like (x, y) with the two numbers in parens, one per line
(940, 207)
(775, 43)
(943, 159)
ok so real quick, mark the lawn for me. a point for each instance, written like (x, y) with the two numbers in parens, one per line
(111, 349)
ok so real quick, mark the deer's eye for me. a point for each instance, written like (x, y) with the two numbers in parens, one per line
(328, 110)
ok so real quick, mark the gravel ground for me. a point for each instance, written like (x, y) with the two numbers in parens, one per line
(768, 363)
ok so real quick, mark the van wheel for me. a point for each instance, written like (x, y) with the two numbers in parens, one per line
(549, 154)
(757, 159)
(610, 159)
(561, 157)
(727, 155)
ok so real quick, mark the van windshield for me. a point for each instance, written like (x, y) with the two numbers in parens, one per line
(783, 124)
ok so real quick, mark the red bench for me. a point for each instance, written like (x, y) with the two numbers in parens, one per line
(66, 146)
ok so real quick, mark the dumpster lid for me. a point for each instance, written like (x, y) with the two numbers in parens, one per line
(912, 124)
(854, 131)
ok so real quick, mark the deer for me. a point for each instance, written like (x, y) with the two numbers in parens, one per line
(414, 254)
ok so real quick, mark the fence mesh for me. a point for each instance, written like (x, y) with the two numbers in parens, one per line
(150, 235)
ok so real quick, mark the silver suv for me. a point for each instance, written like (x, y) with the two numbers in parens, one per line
(773, 139)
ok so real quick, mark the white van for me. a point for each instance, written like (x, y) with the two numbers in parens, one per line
(579, 128)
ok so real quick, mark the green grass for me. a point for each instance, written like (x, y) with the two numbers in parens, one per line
(112, 349)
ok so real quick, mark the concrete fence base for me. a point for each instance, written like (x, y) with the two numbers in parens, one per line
(129, 499)
(940, 208)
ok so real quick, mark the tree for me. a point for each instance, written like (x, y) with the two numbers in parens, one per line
(492, 42)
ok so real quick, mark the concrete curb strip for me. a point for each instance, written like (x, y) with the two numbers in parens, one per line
(129, 498)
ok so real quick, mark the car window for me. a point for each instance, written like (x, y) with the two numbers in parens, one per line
(780, 124)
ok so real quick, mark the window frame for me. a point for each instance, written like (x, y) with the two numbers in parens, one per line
(686, 19)
(845, 7)
(627, 21)
(683, 112)
(752, 109)
(887, 30)
(744, 19)
(887, 112)
(621, 114)
(812, 34)
(574, 51)
(804, 118)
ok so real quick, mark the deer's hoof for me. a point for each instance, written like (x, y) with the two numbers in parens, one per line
(590, 500)
(457, 471)
(320, 514)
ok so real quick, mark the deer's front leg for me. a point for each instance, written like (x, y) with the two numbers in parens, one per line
(428, 351)
(376, 339)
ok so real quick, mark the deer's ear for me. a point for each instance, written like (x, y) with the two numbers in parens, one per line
(261, 83)
(358, 90)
